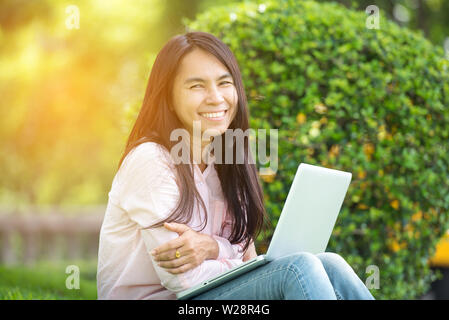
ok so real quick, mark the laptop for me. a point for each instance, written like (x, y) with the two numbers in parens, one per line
(305, 224)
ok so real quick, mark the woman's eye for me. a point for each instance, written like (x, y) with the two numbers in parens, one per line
(221, 83)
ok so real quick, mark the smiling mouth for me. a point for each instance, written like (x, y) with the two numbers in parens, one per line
(214, 116)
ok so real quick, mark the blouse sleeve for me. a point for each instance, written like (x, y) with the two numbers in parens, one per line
(148, 193)
(226, 249)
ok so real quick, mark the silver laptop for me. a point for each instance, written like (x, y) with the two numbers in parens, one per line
(305, 224)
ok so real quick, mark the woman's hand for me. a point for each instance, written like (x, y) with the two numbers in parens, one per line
(193, 248)
(250, 252)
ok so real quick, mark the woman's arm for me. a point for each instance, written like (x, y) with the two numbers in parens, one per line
(148, 192)
(193, 248)
(156, 237)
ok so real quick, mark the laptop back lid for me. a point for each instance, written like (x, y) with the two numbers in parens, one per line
(310, 211)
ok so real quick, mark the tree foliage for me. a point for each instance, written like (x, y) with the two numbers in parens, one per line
(371, 102)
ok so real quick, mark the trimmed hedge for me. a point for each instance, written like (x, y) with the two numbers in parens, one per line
(372, 102)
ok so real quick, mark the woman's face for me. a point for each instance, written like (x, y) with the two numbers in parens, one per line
(203, 90)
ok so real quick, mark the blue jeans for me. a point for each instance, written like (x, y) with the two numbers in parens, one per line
(325, 276)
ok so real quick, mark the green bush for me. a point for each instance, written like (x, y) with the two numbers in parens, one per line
(372, 102)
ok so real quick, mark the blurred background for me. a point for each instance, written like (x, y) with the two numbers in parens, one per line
(70, 72)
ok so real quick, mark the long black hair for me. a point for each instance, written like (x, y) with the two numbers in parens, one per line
(240, 182)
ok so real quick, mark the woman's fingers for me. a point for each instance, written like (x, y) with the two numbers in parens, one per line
(191, 246)
(184, 268)
(167, 247)
(177, 227)
(179, 265)
(173, 263)
(170, 255)
(167, 250)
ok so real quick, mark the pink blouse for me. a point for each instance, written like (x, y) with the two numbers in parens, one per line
(144, 191)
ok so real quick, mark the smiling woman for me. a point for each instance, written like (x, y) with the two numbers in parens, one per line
(170, 226)
(209, 96)
(204, 98)
(217, 210)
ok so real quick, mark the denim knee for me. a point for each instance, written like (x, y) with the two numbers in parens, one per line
(303, 259)
(331, 258)
(343, 277)
(310, 275)
(304, 262)
(333, 262)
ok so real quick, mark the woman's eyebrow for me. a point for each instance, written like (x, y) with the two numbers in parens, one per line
(226, 75)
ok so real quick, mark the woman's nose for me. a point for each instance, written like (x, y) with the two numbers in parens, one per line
(214, 96)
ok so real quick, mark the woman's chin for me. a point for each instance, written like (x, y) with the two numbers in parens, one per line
(215, 130)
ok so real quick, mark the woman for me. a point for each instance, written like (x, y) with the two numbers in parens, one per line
(172, 223)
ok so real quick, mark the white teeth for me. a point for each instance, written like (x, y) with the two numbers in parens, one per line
(213, 115)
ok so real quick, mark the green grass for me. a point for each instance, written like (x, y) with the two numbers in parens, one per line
(47, 281)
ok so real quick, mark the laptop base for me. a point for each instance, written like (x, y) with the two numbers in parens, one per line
(222, 278)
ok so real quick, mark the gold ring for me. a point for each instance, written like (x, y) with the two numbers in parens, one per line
(177, 254)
